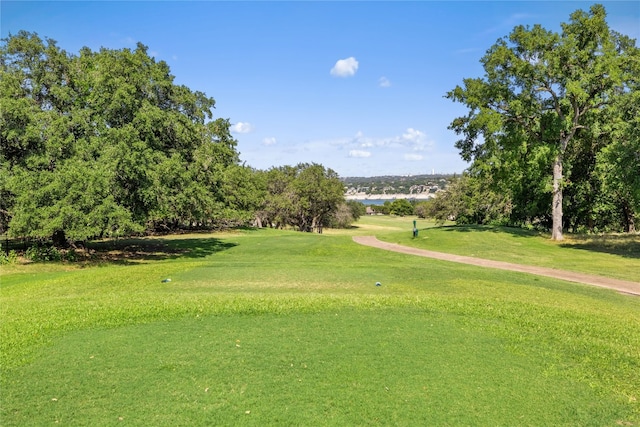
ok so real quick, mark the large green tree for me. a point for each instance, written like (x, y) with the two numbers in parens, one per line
(105, 143)
(304, 196)
(618, 163)
(470, 199)
(540, 91)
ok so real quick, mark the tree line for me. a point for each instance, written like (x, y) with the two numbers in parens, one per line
(552, 131)
(105, 144)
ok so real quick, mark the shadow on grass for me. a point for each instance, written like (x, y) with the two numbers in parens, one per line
(624, 245)
(517, 232)
(135, 251)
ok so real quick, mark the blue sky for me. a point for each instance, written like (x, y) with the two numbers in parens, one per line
(356, 86)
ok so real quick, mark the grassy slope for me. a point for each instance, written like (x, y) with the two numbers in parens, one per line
(291, 328)
(615, 256)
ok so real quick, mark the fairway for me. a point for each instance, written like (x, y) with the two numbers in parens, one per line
(267, 327)
(246, 232)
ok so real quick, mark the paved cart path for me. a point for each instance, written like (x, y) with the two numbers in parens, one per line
(624, 286)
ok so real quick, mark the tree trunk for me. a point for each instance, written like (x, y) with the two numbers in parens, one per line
(556, 207)
(59, 239)
(629, 217)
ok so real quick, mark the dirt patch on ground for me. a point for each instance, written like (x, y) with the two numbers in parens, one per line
(627, 287)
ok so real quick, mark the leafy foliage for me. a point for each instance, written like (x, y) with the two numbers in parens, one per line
(469, 200)
(305, 197)
(106, 144)
(356, 208)
(8, 256)
(347, 213)
(547, 105)
(401, 207)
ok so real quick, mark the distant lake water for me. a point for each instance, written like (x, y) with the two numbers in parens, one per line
(379, 202)
(376, 202)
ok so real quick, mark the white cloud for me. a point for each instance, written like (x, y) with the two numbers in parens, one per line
(359, 153)
(417, 140)
(345, 67)
(411, 138)
(384, 82)
(414, 135)
(407, 150)
(242, 127)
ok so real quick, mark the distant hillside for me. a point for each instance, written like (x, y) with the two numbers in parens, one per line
(414, 184)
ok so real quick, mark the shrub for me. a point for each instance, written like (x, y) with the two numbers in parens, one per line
(71, 255)
(39, 253)
(8, 258)
(401, 207)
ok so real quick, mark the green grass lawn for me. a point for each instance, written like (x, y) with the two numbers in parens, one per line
(271, 327)
(616, 256)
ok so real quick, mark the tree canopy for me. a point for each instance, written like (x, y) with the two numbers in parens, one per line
(554, 114)
(105, 144)
(304, 196)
